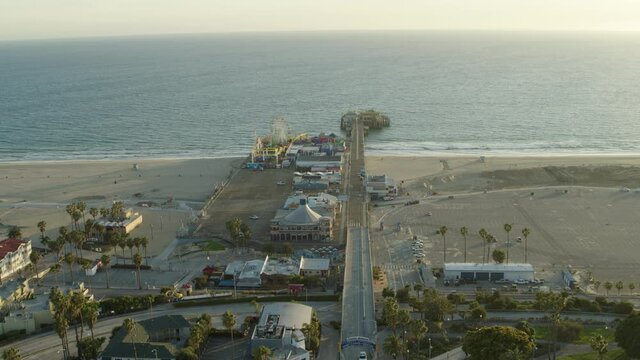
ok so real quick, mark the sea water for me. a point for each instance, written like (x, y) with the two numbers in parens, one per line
(209, 95)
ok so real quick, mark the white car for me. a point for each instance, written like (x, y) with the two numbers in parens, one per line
(254, 217)
(521, 282)
(281, 182)
(363, 356)
(419, 255)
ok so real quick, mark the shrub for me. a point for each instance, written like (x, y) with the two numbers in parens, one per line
(569, 331)
(623, 307)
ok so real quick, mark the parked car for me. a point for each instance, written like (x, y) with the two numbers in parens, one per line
(502, 281)
(521, 281)
(254, 217)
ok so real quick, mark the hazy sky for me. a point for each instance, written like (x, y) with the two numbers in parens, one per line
(27, 19)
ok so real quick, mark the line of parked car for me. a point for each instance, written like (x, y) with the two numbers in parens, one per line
(417, 248)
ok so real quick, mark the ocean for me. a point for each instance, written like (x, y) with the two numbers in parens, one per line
(488, 93)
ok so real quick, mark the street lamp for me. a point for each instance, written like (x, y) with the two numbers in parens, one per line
(155, 352)
(430, 347)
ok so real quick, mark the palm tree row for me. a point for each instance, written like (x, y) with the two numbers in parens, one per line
(73, 308)
(487, 240)
(619, 285)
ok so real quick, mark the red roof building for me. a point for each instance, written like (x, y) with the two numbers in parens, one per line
(14, 255)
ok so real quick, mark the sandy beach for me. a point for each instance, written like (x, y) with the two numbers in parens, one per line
(582, 210)
(34, 191)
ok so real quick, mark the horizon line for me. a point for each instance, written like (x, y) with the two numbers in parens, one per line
(261, 32)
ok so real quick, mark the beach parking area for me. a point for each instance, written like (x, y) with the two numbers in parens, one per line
(578, 210)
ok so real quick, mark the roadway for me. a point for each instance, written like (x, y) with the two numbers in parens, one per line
(358, 312)
(48, 346)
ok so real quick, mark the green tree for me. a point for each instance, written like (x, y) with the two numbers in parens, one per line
(269, 248)
(69, 259)
(137, 260)
(525, 233)
(14, 233)
(93, 212)
(311, 332)
(42, 226)
(144, 242)
(262, 353)
(229, 322)
(187, 353)
(11, 354)
(464, 232)
(287, 249)
(393, 346)
(129, 325)
(507, 229)
(483, 236)
(417, 330)
(596, 285)
(627, 335)
(525, 327)
(607, 287)
(619, 286)
(631, 287)
(233, 228)
(443, 232)
(552, 304)
(599, 344)
(90, 311)
(498, 256)
(89, 348)
(390, 313)
(35, 258)
(494, 341)
(106, 262)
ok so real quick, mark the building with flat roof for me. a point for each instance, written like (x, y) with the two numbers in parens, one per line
(259, 272)
(14, 256)
(301, 224)
(314, 267)
(308, 162)
(379, 186)
(279, 328)
(491, 272)
(156, 338)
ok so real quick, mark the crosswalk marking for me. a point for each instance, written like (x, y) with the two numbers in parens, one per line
(397, 267)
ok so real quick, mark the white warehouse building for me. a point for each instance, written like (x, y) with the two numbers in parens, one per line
(488, 272)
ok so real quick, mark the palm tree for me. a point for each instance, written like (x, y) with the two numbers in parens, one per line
(144, 242)
(608, 286)
(596, 285)
(90, 314)
(443, 231)
(69, 260)
(93, 212)
(122, 243)
(137, 260)
(11, 354)
(507, 229)
(464, 232)
(60, 303)
(114, 240)
(75, 216)
(483, 236)
(71, 209)
(81, 206)
(76, 303)
(619, 286)
(393, 346)
(229, 322)
(42, 226)
(129, 243)
(525, 233)
(106, 261)
(631, 287)
(14, 233)
(262, 353)
(129, 324)
(35, 258)
(417, 330)
(136, 243)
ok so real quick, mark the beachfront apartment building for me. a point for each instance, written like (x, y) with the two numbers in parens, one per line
(14, 256)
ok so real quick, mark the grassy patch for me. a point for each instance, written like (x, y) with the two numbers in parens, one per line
(211, 245)
(617, 354)
(542, 333)
(589, 332)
